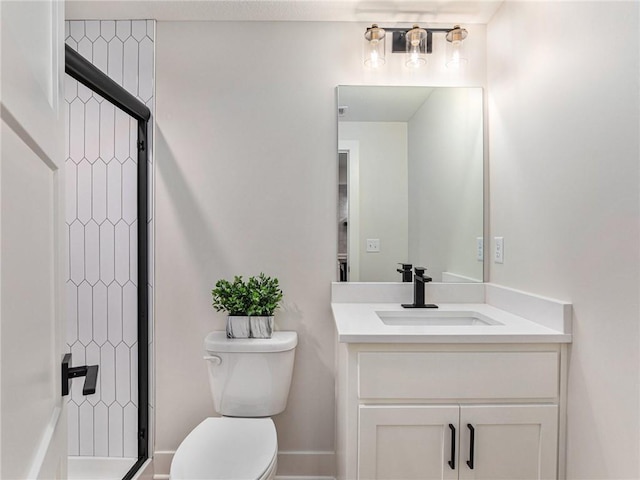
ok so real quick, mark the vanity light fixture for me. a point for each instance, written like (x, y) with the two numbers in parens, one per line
(456, 57)
(416, 43)
(375, 46)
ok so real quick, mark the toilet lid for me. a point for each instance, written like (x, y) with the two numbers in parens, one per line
(226, 448)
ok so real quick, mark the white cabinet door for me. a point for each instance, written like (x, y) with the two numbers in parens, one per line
(510, 442)
(407, 442)
(32, 411)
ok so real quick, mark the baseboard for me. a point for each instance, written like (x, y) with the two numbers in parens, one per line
(316, 464)
(292, 465)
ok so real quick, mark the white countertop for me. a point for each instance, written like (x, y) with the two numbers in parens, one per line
(359, 323)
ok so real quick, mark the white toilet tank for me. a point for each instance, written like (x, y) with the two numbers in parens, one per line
(250, 377)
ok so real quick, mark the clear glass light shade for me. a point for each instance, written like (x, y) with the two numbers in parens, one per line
(456, 56)
(416, 47)
(374, 47)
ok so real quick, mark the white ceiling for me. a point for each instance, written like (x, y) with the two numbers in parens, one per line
(381, 104)
(442, 11)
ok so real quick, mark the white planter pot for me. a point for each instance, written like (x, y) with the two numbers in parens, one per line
(261, 327)
(238, 327)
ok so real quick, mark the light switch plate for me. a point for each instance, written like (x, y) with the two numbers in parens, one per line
(479, 249)
(373, 245)
(498, 252)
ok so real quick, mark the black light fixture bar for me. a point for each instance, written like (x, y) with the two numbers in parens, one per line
(399, 41)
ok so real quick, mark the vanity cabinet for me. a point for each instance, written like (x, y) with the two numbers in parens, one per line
(450, 411)
(449, 442)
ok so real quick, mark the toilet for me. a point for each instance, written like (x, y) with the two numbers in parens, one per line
(250, 380)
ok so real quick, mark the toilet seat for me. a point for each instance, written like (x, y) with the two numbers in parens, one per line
(227, 448)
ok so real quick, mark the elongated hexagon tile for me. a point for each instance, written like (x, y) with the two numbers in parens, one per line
(71, 190)
(85, 313)
(100, 305)
(99, 191)
(101, 430)
(115, 60)
(123, 134)
(129, 314)
(139, 29)
(84, 191)
(133, 359)
(145, 86)
(116, 424)
(129, 191)
(123, 29)
(107, 252)
(130, 77)
(130, 431)
(107, 130)
(107, 376)
(73, 429)
(133, 252)
(123, 375)
(92, 252)
(100, 54)
(76, 130)
(76, 244)
(122, 252)
(92, 29)
(70, 89)
(76, 30)
(114, 313)
(93, 358)
(77, 359)
(114, 191)
(92, 130)
(151, 29)
(107, 29)
(72, 312)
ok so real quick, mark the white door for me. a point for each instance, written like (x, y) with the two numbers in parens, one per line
(511, 442)
(408, 442)
(32, 411)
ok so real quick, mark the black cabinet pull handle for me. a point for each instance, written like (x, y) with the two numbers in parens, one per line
(90, 372)
(472, 441)
(452, 462)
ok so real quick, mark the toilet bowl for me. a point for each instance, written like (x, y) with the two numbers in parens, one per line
(250, 380)
(228, 449)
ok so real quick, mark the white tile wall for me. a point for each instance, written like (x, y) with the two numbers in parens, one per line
(101, 212)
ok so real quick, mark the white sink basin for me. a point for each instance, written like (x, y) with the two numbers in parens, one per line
(435, 317)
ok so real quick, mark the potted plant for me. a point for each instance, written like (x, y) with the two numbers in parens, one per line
(265, 295)
(233, 298)
(249, 305)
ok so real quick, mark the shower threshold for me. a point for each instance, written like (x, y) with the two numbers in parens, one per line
(99, 468)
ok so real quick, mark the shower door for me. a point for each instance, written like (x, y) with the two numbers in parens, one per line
(106, 286)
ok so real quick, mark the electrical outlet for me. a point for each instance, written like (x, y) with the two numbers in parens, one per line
(479, 249)
(373, 245)
(498, 253)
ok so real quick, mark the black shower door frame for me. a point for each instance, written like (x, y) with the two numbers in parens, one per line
(93, 78)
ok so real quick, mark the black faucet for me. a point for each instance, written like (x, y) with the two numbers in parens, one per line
(419, 279)
(405, 271)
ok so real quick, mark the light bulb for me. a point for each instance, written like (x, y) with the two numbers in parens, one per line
(374, 47)
(455, 48)
(415, 54)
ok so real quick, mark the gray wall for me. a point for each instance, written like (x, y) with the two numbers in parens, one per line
(247, 182)
(564, 125)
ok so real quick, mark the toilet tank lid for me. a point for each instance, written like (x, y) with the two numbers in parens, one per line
(279, 342)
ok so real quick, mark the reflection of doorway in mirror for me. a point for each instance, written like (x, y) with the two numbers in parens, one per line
(343, 215)
(349, 151)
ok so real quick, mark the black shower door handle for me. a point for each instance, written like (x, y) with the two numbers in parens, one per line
(90, 372)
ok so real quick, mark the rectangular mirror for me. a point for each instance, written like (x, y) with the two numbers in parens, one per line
(411, 182)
